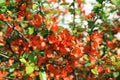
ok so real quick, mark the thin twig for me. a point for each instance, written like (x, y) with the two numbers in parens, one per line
(76, 78)
(74, 15)
(4, 55)
(10, 78)
(14, 29)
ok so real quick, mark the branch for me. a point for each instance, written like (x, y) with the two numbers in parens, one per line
(4, 55)
(74, 15)
(75, 74)
(9, 78)
(14, 29)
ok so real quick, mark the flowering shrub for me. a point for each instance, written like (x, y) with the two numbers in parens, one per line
(35, 46)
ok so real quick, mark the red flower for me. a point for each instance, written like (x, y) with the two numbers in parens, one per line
(94, 51)
(28, 15)
(18, 75)
(37, 42)
(8, 32)
(97, 37)
(87, 49)
(90, 15)
(2, 17)
(52, 39)
(110, 44)
(77, 52)
(43, 45)
(118, 13)
(63, 49)
(37, 20)
(23, 7)
(20, 15)
(3, 74)
(19, 46)
(65, 35)
(41, 60)
(54, 28)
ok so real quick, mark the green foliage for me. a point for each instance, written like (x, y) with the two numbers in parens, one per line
(23, 60)
(35, 45)
(116, 2)
(116, 74)
(42, 75)
(64, 4)
(100, 1)
(72, 11)
(29, 69)
(2, 3)
(31, 30)
(94, 71)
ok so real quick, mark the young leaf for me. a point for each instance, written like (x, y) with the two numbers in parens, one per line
(112, 58)
(31, 30)
(94, 71)
(29, 69)
(23, 60)
(42, 75)
(34, 6)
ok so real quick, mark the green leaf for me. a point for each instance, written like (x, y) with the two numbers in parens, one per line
(15, 65)
(111, 36)
(91, 23)
(29, 69)
(3, 8)
(23, 60)
(34, 6)
(100, 1)
(32, 58)
(31, 30)
(116, 74)
(2, 3)
(22, 24)
(117, 64)
(88, 64)
(99, 5)
(112, 58)
(72, 11)
(77, 11)
(64, 3)
(44, 32)
(42, 75)
(116, 2)
(72, 4)
(94, 71)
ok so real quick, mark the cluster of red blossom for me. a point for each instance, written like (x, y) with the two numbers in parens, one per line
(65, 57)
